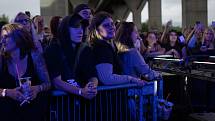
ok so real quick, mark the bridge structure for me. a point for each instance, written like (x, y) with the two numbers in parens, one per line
(192, 10)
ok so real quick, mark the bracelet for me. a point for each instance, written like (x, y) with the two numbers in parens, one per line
(41, 88)
(79, 91)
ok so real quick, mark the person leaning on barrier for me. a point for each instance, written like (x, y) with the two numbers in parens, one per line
(127, 42)
(70, 64)
(21, 101)
(102, 33)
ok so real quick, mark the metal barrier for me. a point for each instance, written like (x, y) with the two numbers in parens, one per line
(127, 102)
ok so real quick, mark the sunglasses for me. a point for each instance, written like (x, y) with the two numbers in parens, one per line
(23, 21)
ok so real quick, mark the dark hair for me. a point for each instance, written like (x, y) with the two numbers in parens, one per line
(96, 21)
(20, 14)
(54, 23)
(35, 17)
(22, 38)
(123, 34)
(28, 13)
(168, 40)
(80, 7)
(150, 32)
(63, 30)
(64, 38)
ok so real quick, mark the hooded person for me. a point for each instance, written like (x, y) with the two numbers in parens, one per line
(68, 67)
(86, 13)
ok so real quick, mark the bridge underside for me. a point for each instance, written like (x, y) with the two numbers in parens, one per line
(192, 10)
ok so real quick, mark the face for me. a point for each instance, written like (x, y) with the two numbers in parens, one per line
(8, 43)
(151, 38)
(76, 34)
(173, 37)
(86, 14)
(208, 35)
(107, 29)
(39, 22)
(25, 21)
(199, 33)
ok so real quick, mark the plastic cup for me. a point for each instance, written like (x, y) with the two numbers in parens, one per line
(167, 110)
(25, 85)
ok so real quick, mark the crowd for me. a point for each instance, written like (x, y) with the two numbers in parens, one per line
(76, 53)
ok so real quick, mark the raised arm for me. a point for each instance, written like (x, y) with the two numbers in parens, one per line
(166, 29)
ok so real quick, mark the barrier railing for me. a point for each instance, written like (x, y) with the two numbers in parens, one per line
(127, 102)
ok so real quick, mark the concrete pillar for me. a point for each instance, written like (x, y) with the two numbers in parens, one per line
(62, 8)
(155, 19)
(136, 8)
(51, 8)
(77, 2)
(94, 4)
(194, 10)
(120, 12)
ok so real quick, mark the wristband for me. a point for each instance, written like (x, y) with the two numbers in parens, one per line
(3, 93)
(41, 88)
(79, 92)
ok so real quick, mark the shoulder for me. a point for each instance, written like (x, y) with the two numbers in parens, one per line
(133, 54)
(102, 49)
(100, 44)
(86, 50)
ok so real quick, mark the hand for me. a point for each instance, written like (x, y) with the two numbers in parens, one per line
(169, 24)
(93, 84)
(34, 90)
(15, 94)
(90, 90)
(138, 81)
(157, 75)
(203, 48)
(174, 51)
(176, 54)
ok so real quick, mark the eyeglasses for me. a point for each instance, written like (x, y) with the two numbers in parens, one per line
(21, 21)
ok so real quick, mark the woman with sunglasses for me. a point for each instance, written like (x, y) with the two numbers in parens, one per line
(23, 77)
